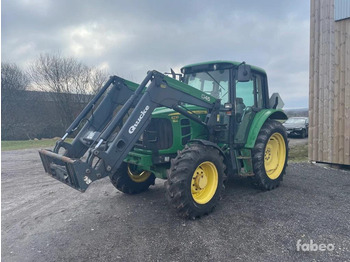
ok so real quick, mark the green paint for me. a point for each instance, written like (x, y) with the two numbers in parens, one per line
(143, 158)
(189, 89)
(258, 122)
(233, 63)
(131, 85)
(247, 161)
(246, 134)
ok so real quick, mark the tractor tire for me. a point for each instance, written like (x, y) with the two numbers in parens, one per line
(127, 182)
(196, 180)
(270, 155)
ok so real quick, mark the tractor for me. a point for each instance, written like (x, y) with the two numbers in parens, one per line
(194, 129)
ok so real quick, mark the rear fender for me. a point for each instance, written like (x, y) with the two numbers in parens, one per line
(259, 120)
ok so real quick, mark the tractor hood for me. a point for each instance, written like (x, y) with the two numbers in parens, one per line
(168, 112)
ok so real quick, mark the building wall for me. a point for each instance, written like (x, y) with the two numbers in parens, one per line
(329, 93)
(32, 114)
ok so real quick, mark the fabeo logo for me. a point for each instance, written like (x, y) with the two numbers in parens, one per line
(314, 246)
(134, 126)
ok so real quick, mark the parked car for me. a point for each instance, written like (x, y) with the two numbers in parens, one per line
(297, 126)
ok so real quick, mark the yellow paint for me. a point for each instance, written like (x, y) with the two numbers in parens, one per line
(175, 119)
(138, 178)
(275, 156)
(204, 182)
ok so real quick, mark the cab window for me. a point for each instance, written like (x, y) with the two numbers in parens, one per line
(214, 83)
(250, 93)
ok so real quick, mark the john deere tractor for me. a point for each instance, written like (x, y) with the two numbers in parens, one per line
(193, 129)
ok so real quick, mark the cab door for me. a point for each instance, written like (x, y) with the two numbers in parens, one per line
(248, 100)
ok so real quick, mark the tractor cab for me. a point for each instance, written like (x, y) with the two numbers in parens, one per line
(241, 88)
(229, 81)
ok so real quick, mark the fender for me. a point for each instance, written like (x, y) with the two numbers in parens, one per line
(259, 120)
(230, 161)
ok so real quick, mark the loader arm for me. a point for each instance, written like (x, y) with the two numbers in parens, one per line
(117, 95)
(106, 139)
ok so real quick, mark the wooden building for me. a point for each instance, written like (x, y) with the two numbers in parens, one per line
(329, 93)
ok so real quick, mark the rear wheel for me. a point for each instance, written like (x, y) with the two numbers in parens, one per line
(270, 155)
(131, 181)
(195, 180)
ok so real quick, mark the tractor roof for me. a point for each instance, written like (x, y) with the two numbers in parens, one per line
(255, 68)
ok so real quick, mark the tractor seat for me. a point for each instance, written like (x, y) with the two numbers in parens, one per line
(240, 106)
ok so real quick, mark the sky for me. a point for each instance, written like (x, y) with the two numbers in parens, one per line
(128, 38)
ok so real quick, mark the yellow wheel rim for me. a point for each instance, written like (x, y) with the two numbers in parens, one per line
(204, 182)
(138, 177)
(275, 156)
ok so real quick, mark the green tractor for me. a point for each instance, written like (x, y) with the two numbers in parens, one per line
(194, 129)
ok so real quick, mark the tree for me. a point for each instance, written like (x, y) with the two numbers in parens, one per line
(12, 79)
(69, 82)
(13, 82)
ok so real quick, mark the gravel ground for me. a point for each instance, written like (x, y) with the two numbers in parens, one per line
(297, 141)
(44, 220)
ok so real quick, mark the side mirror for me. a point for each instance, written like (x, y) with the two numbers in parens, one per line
(244, 73)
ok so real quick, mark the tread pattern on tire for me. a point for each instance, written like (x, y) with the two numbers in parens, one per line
(260, 179)
(121, 180)
(178, 184)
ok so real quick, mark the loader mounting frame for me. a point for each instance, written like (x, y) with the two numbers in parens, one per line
(103, 146)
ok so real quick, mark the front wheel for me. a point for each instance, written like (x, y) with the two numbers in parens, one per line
(195, 180)
(131, 181)
(270, 155)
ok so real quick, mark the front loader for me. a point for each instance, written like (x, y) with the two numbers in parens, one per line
(215, 121)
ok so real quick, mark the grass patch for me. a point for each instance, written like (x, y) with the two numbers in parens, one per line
(25, 144)
(298, 153)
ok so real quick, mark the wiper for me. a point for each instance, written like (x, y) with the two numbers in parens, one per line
(214, 80)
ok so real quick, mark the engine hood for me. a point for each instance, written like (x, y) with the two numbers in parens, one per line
(167, 111)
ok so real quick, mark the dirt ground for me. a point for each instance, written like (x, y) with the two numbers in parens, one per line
(44, 220)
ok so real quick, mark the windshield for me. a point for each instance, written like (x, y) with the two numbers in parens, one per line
(295, 121)
(214, 83)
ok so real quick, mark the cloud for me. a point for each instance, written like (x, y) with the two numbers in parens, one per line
(131, 37)
(92, 39)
